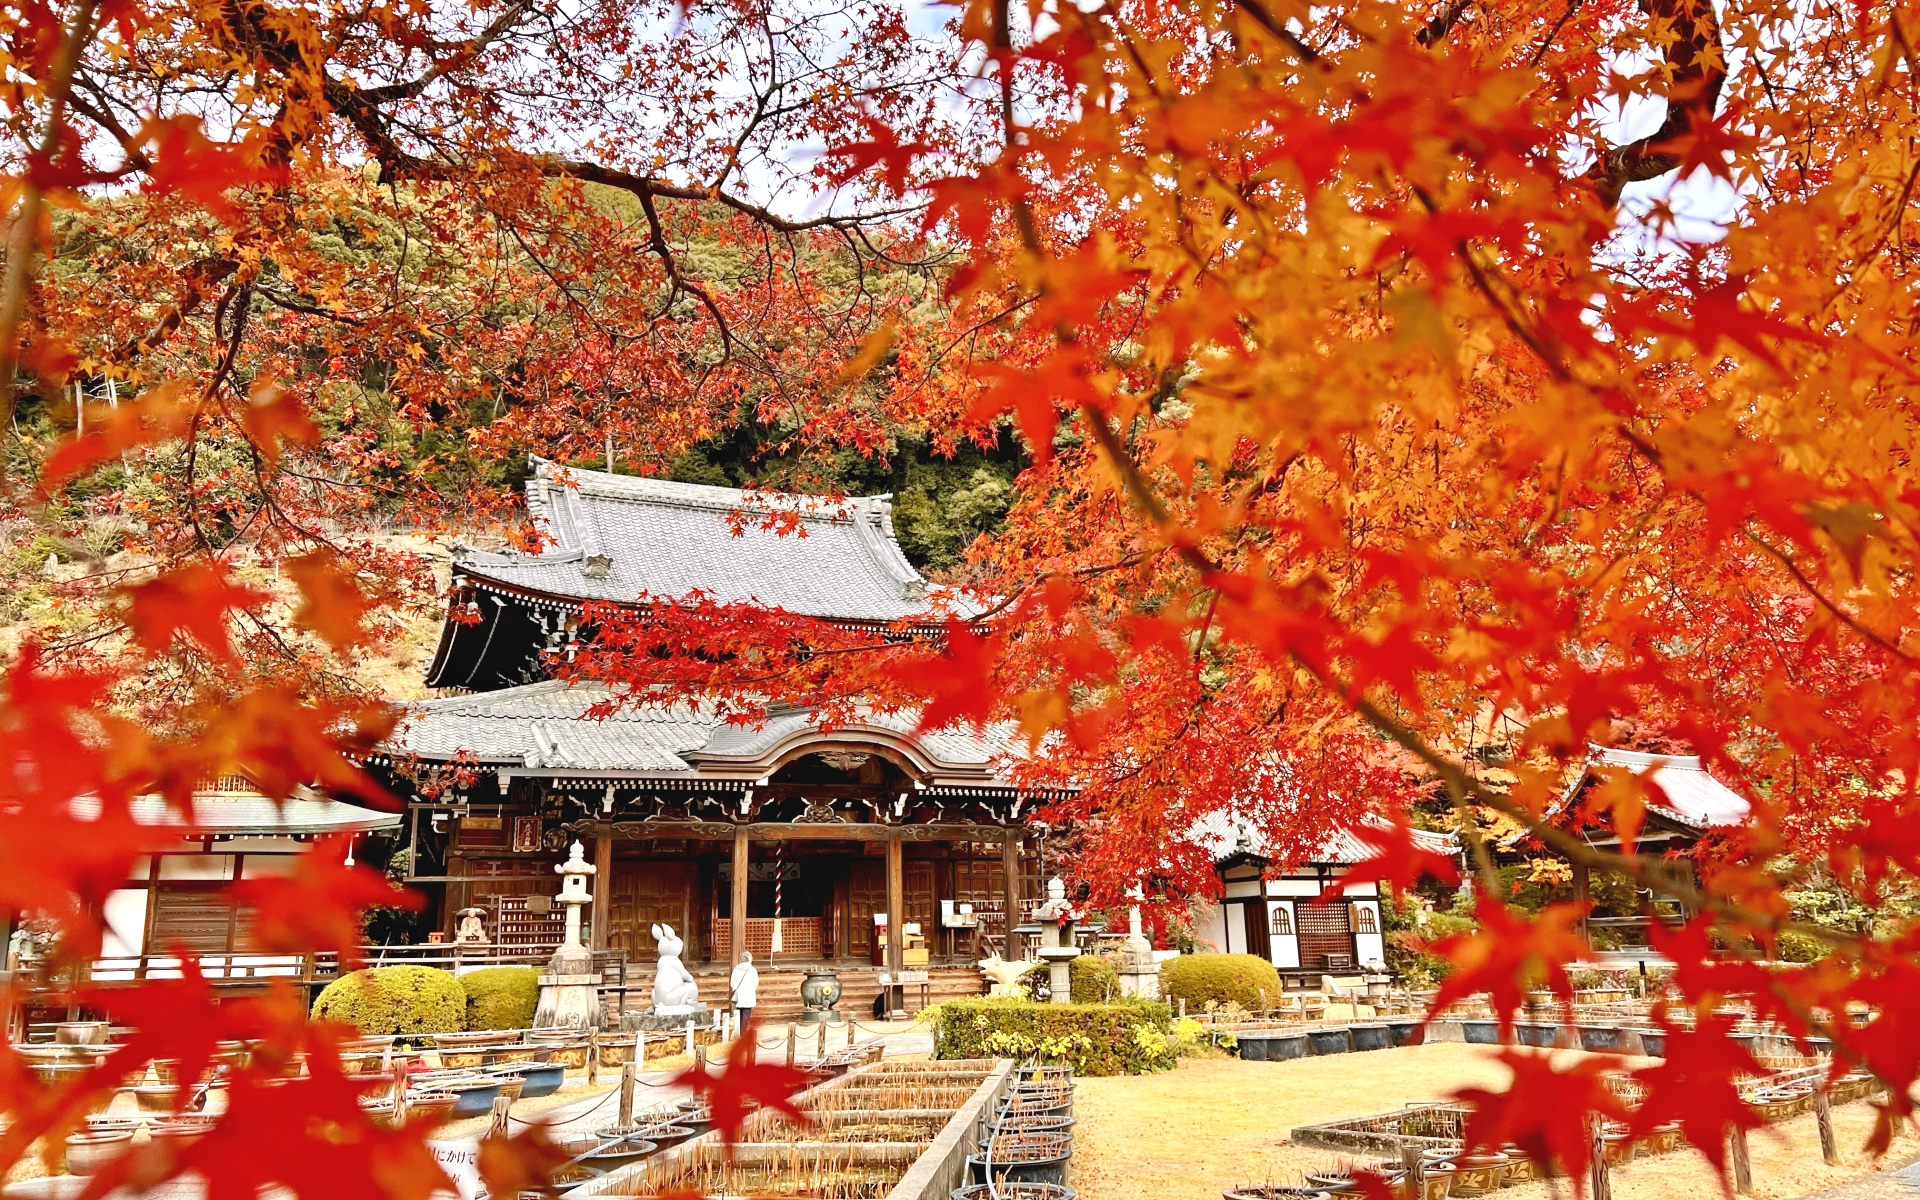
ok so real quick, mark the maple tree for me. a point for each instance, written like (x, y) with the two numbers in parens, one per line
(1382, 389)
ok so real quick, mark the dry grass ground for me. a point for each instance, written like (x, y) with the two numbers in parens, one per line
(1213, 1123)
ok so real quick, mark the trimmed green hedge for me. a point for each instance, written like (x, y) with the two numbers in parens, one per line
(1202, 978)
(501, 997)
(383, 1000)
(1129, 1037)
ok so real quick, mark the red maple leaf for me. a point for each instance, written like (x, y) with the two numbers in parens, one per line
(959, 684)
(1397, 859)
(193, 599)
(1694, 1085)
(1510, 954)
(332, 604)
(1546, 1109)
(744, 1086)
(183, 161)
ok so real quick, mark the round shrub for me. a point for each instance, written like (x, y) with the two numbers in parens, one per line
(383, 1000)
(1095, 979)
(1200, 978)
(501, 997)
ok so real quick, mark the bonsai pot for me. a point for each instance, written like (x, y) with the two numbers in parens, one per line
(1599, 1037)
(88, 1152)
(1478, 1174)
(695, 1116)
(1034, 1124)
(436, 1107)
(1252, 1047)
(1653, 1042)
(1023, 1158)
(81, 1033)
(667, 1135)
(1286, 1046)
(1407, 1033)
(1436, 1180)
(539, 1079)
(614, 1051)
(1481, 1033)
(511, 1086)
(1371, 1037)
(1618, 1144)
(1661, 1139)
(475, 1096)
(571, 1055)
(1329, 1041)
(598, 1160)
(518, 1054)
(1536, 1035)
(1015, 1191)
(1520, 1168)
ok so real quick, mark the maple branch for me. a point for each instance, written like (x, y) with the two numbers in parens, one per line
(1696, 71)
(23, 240)
(1273, 25)
(199, 276)
(1442, 24)
(1845, 618)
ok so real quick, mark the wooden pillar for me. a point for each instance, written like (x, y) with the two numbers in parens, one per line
(1582, 892)
(1742, 1163)
(602, 884)
(1823, 1119)
(896, 919)
(1010, 871)
(739, 892)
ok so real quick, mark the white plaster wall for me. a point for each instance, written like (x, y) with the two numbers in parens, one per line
(1213, 928)
(126, 920)
(1243, 888)
(1369, 947)
(196, 866)
(1285, 947)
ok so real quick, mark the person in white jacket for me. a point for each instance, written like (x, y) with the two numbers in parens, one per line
(745, 989)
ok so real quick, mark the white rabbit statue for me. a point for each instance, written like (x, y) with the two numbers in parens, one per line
(674, 989)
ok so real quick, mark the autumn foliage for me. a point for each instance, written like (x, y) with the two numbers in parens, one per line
(1395, 378)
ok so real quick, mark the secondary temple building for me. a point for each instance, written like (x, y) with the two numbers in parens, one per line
(786, 837)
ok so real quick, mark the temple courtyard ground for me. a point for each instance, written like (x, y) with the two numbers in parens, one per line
(1193, 1132)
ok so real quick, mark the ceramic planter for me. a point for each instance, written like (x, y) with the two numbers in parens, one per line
(1653, 1042)
(1286, 1046)
(1017, 1191)
(1478, 1174)
(541, 1079)
(1407, 1033)
(1481, 1033)
(1329, 1041)
(1022, 1158)
(1520, 1168)
(1252, 1047)
(88, 1152)
(1599, 1038)
(572, 1056)
(1371, 1037)
(475, 1098)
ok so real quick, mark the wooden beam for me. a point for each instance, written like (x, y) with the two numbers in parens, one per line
(739, 893)
(1582, 891)
(896, 920)
(772, 831)
(602, 886)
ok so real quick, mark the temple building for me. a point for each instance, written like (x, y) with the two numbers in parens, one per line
(786, 838)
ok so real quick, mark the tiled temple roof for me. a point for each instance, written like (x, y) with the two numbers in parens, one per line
(617, 537)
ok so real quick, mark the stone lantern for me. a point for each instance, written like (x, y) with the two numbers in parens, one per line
(1062, 951)
(570, 990)
(1139, 973)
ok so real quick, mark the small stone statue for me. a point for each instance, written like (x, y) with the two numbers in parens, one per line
(674, 989)
(1005, 975)
(472, 930)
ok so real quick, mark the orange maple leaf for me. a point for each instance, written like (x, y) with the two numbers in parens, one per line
(193, 599)
(1511, 953)
(332, 604)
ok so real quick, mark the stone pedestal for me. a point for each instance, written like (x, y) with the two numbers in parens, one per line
(570, 990)
(1139, 974)
(667, 1022)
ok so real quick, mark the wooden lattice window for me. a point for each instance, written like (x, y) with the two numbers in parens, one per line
(1281, 922)
(1363, 919)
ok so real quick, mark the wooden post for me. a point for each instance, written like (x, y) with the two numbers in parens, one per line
(399, 1095)
(1598, 1176)
(626, 1097)
(1263, 1001)
(1410, 1159)
(602, 884)
(1010, 870)
(497, 1126)
(593, 1057)
(640, 1048)
(1742, 1164)
(1823, 1115)
(849, 1032)
(700, 1057)
(689, 1035)
(793, 1041)
(739, 892)
(896, 921)
(820, 1047)
(1582, 889)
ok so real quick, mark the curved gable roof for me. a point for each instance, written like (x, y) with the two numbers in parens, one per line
(617, 537)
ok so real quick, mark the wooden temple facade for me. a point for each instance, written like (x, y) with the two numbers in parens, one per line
(792, 840)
